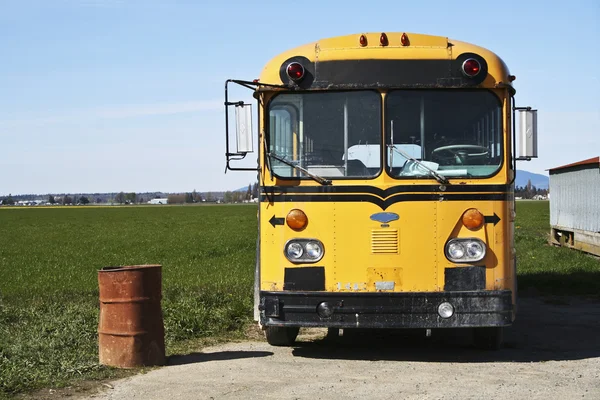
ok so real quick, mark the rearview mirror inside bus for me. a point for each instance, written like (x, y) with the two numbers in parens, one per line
(243, 128)
(527, 134)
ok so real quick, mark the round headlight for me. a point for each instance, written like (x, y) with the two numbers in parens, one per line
(294, 250)
(456, 250)
(445, 310)
(325, 310)
(475, 250)
(313, 250)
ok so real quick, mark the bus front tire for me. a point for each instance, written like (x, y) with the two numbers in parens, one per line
(281, 335)
(488, 338)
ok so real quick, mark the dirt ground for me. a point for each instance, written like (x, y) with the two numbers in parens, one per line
(551, 352)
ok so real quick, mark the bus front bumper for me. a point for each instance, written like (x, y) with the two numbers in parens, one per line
(387, 310)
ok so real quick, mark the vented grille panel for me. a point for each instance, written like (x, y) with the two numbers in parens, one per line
(384, 241)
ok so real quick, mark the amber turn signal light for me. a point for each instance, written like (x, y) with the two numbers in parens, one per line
(473, 219)
(296, 219)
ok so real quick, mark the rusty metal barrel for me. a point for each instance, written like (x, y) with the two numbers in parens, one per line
(130, 328)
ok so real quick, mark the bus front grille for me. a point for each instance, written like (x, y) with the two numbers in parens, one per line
(384, 241)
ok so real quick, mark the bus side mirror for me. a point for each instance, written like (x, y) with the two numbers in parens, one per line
(528, 145)
(243, 128)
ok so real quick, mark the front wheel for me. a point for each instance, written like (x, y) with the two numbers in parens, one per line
(281, 335)
(488, 338)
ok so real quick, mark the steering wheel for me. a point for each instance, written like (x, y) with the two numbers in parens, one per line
(459, 153)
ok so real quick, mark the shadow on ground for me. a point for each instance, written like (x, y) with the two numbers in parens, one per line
(217, 356)
(546, 329)
(555, 283)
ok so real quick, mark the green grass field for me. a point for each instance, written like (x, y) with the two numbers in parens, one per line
(49, 258)
(545, 269)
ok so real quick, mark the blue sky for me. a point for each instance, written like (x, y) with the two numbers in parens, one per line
(116, 95)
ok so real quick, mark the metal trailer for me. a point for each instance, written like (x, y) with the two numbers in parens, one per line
(575, 205)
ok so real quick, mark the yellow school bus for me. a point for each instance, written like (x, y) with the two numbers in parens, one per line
(386, 164)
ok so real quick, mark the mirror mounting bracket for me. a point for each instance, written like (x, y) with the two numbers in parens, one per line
(240, 155)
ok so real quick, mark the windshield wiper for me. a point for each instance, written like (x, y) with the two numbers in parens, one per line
(440, 178)
(317, 178)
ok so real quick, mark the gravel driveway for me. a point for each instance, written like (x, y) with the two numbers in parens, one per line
(552, 352)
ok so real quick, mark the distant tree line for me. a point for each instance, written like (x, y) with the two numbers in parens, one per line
(237, 196)
(8, 201)
(529, 191)
(64, 200)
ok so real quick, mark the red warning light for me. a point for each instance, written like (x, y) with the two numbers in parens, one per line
(363, 40)
(383, 39)
(471, 67)
(404, 40)
(295, 71)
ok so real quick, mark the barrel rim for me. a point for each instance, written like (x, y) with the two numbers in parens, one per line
(120, 268)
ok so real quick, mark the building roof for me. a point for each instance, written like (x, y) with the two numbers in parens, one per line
(589, 161)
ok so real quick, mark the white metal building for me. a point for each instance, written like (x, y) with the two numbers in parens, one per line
(158, 201)
(575, 205)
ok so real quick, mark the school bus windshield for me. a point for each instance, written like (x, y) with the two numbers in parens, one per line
(338, 134)
(318, 131)
(456, 133)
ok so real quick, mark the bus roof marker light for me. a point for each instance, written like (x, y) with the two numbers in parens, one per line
(404, 41)
(383, 39)
(471, 67)
(295, 71)
(296, 219)
(362, 40)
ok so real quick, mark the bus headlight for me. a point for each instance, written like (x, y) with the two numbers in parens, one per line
(465, 250)
(475, 250)
(304, 250)
(314, 250)
(455, 250)
(294, 251)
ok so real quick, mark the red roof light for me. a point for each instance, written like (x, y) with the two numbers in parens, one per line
(471, 67)
(404, 40)
(295, 71)
(363, 40)
(383, 39)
